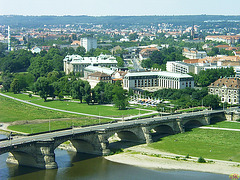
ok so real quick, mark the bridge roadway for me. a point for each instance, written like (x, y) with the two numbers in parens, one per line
(18, 141)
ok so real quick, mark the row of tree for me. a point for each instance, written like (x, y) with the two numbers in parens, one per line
(188, 97)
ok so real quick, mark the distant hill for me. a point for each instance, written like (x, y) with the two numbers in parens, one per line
(38, 21)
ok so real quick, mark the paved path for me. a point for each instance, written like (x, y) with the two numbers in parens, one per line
(225, 129)
(97, 116)
(4, 127)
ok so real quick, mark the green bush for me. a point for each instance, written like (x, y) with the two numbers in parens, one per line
(201, 160)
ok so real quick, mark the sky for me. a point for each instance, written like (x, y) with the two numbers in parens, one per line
(119, 7)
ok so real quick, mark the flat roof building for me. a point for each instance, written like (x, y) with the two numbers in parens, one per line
(76, 63)
(180, 67)
(153, 81)
(88, 43)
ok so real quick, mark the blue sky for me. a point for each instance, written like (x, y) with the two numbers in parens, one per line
(119, 7)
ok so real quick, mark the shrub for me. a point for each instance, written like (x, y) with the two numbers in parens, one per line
(201, 160)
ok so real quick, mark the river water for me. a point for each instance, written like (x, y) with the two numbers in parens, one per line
(74, 166)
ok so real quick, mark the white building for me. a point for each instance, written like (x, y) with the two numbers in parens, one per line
(88, 43)
(193, 53)
(152, 81)
(36, 50)
(76, 63)
(180, 67)
(92, 69)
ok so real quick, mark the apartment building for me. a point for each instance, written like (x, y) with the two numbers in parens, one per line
(227, 88)
(88, 43)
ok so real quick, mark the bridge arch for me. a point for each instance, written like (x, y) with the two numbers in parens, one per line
(127, 136)
(192, 124)
(124, 135)
(161, 131)
(76, 145)
(21, 158)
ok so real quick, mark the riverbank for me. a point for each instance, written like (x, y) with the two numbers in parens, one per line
(146, 157)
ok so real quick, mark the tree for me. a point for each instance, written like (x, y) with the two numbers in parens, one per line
(77, 90)
(211, 101)
(133, 36)
(40, 66)
(7, 80)
(120, 97)
(42, 85)
(120, 61)
(98, 93)
(81, 50)
(15, 86)
(60, 95)
(87, 92)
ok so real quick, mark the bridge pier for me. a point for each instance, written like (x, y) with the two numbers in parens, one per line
(101, 147)
(40, 155)
(206, 119)
(180, 126)
(147, 134)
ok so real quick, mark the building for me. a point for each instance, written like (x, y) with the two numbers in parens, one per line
(76, 63)
(88, 43)
(180, 67)
(152, 81)
(36, 50)
(92, 69)
(222, 38)
(228, 89)
(95, 74)
(193, 53)
(147, 52)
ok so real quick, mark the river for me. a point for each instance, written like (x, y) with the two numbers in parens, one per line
(73, 166)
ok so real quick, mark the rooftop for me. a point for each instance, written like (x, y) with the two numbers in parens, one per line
(229, 82)
(99, 69)
(159, 73)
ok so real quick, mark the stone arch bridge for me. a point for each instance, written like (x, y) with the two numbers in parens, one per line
(38, 150)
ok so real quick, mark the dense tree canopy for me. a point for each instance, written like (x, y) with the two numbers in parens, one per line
(205, 78)
(162, 56)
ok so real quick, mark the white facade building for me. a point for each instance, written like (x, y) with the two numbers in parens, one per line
(193, 53)
(153, 81)
(88, 43)
(76, 63)
(180, 67)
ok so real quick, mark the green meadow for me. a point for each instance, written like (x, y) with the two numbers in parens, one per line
(213, 144)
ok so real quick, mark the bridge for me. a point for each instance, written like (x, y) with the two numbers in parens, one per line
(38, 150)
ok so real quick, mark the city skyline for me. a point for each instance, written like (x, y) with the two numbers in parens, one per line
(122, 8)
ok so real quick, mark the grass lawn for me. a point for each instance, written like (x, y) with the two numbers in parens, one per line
(14, 111)
(213, 144)
(82, 108)
(41, 127)
(226, 124)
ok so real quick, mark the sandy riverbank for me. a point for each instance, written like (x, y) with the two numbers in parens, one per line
(143, 156)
